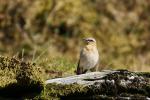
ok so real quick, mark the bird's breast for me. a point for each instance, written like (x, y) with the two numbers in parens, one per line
(89, 58)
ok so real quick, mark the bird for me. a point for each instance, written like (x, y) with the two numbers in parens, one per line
(89, 57)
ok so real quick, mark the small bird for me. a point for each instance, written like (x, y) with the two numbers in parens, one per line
(89, 57)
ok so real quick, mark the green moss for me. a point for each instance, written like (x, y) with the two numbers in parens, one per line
(19, 79)
(56, 90)
(59, 91)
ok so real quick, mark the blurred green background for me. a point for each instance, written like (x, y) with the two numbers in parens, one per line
(49, 32)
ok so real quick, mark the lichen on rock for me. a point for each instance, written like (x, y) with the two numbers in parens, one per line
(119, 84)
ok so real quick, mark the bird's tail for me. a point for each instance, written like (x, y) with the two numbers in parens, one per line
(79, 70)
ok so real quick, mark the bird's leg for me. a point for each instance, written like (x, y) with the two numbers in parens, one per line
(93, 69)
(84, 71)
(96, 68)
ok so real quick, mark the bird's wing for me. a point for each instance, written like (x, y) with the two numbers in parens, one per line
(78, 68)
(97, 65)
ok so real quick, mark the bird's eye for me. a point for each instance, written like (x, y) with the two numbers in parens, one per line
(91, 41)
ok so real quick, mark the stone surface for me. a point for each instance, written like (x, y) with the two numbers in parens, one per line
(83, 79)
(119, 84)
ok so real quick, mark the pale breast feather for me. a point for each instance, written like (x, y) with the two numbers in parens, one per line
(88, 58)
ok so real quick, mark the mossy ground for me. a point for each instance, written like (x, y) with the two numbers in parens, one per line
(25, 81)
(19, 79)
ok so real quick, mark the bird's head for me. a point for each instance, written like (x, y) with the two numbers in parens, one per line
(89, 41)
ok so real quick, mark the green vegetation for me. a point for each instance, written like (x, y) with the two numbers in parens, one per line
(58, 91)
(57, 67)
(23, 80)
(54, 29)
(19, 79)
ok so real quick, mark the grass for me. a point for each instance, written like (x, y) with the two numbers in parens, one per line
(57, 67)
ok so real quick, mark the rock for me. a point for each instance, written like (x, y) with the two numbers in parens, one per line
(19, 79)
(119, 84)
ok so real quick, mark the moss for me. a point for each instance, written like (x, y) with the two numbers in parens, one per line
(56, 90)
(19, 79)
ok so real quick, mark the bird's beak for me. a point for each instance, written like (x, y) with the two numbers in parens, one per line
(84, 39)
